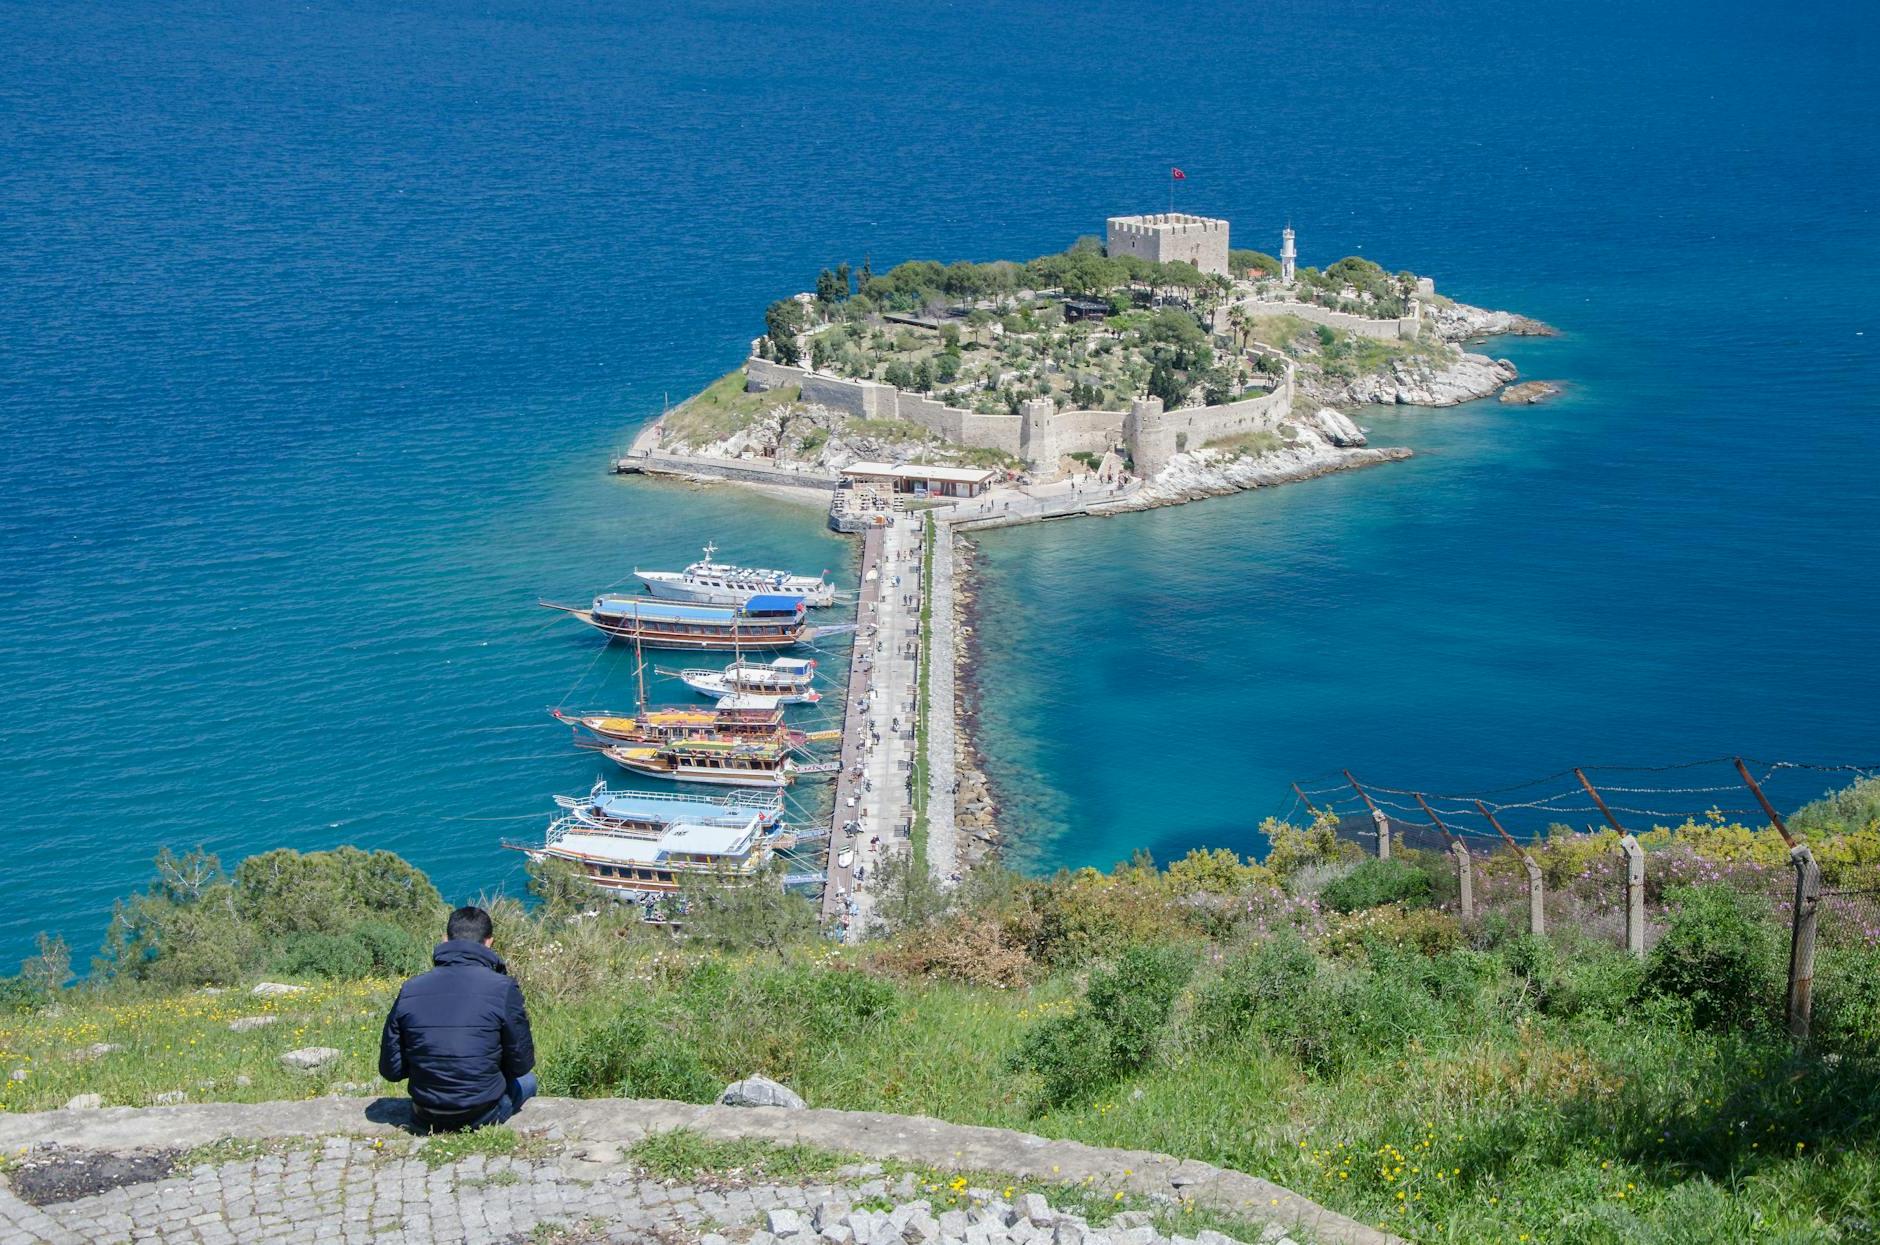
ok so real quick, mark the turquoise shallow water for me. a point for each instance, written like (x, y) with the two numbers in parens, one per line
(316, 326)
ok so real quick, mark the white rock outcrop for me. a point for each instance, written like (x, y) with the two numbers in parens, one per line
(1337, 429)
(308, 1058)
(274, 989)
(1216, 473)
(1460, 322)
(1414, 382)
(760, 1091)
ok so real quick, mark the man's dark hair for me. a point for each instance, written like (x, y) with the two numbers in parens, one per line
(472, 924)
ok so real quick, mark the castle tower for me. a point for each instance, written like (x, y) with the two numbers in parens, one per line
(1287, 256)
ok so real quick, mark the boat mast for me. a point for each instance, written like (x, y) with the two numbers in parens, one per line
(639, 672)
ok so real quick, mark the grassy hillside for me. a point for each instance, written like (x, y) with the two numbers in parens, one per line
(1324, 1023)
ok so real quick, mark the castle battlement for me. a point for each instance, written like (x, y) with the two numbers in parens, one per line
(1170, 237)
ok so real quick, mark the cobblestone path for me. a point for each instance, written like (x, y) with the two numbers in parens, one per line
(355, 1191)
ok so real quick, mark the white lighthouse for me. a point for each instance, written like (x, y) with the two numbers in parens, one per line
(1287, 256)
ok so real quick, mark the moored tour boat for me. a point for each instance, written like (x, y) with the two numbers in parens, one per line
(771, 621)
(718, 763)
(649, 812)
(749, 719)
(718, 583)
(785, 678)
(657, 863)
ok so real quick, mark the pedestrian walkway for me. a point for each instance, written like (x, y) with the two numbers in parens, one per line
(873, 814)
(566, 1173)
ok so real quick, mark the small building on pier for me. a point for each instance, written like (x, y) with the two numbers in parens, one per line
(921, 479)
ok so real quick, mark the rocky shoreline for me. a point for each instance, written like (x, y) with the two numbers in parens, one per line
(976, 812)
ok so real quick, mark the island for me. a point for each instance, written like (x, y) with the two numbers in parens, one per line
(1153, 366)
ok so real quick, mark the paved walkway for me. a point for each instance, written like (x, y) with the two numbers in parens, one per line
(356, 1191)
(1002, 507)
(873, 806)
(347, 1170)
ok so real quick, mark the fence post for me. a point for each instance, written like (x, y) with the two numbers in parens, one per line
(1378, 818)
(1537, 906)
(1634, 895)
(1634, 872)
(1537, 909)
(1467, 873)
(1801, 1001)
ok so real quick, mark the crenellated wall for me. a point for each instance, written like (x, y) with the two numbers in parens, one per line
(868, 399)
(1167, 237)
(1041, 434)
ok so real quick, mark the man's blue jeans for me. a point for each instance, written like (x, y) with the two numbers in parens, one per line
(520, 1091)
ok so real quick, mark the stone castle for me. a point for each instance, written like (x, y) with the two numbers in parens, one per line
(1041, 434)
(1169, 237)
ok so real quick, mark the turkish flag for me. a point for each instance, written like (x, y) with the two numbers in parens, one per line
(1177, 175)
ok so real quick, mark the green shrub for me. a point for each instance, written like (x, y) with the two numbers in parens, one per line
(1393, 927)
(1348, 1014)
(1847, 1001)
(620, 1053)
(1112, 1032)
(337, 957)
(1595, 980)
(1378, 882)
(1266, 975)
(1721, 954)
(831, 1003)
(395, 952)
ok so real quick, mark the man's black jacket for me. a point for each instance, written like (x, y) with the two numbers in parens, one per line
(460, 1032)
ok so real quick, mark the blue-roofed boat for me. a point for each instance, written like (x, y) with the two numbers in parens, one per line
(649, 812)
(646, 843)
(769, 620)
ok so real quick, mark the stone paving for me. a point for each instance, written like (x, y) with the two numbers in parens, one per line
(360, 1191)
(348, 1170)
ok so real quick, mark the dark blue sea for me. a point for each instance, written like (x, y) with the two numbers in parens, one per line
(318, 323)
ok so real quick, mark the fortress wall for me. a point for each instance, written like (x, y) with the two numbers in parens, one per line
(992, 432)
(1155, 436)
(1363, 326)
(867, 399)
(1087, 432)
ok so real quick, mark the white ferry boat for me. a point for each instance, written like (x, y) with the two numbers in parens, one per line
(787, 679)
(719, 583)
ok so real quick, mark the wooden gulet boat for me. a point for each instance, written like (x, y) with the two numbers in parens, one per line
(746, 719)
(765, 621)
(715, 762)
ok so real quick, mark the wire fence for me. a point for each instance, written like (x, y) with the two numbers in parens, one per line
(1593, 878)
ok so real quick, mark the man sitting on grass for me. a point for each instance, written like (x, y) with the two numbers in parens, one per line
(461, 1033)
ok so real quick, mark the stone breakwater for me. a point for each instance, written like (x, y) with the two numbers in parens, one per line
(976, 812)
(350, 1171)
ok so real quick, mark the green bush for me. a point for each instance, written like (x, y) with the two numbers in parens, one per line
(1378, 882)
(1847, 1001)
(337, 957)
(1112, 1032)
(619, 1053)
(1349, 1014)
(395, 952)
(1722, 955)
(831, 1003)
(1266, 975)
